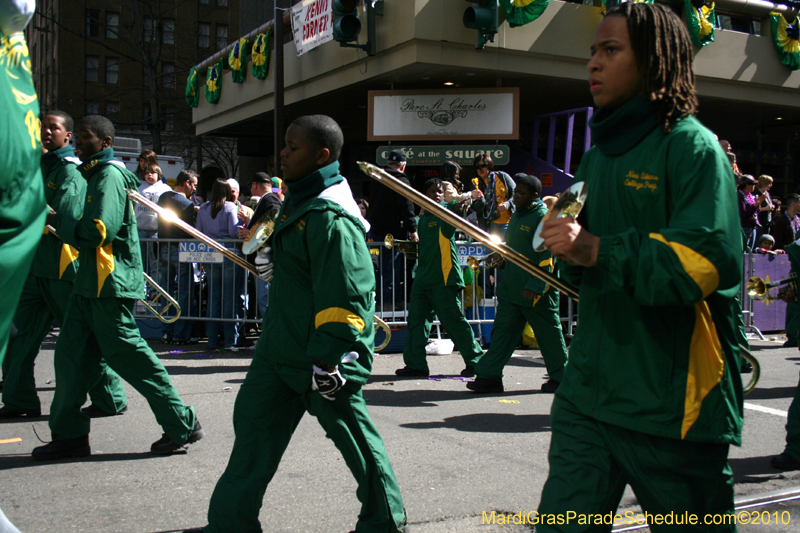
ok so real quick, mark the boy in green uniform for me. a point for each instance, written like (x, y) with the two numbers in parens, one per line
(22, 207)
(49, 285)
(435, 292)
(315, 352)
(790, 458)
(108, 282)
(523, 299)
(652, 395)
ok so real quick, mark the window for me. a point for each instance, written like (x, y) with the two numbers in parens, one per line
(92, 69)
(146, 77)
(112, 25)
(168, 118)
(149, 36)
(205, 2)
(222, 3)
(91, 108)
(168, 75)
(112, 111)
(222, 36)
(168, 31)
(92, 23)
(112, 70)
(203, 34)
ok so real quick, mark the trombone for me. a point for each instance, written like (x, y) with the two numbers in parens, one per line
(171, 303)
(473, 231)
(494, 260)
(758, 289)
(409, 248)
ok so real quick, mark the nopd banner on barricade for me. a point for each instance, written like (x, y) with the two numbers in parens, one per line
(311, 24)
(198, 252)
(478, 251)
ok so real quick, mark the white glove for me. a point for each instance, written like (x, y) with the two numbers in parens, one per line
(264, 264)
(329, 380)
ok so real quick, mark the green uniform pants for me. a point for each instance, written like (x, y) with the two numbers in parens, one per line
(19, 237)
(268, 408)
(42, 301)
(110, 321)
(425, 305)
(509, 323)
(793, 426)
(591, 462)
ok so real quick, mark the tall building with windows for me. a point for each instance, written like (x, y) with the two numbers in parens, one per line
(127, 60)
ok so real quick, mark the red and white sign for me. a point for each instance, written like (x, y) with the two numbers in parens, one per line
(312, 24)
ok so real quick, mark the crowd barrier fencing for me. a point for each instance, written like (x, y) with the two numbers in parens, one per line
(210, 288)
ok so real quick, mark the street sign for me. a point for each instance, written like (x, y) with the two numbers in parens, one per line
(478, 251)
(198, 252)
(437, 155)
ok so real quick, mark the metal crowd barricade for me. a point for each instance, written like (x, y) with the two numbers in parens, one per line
(206, 284)
(203, 282)
(392, 295)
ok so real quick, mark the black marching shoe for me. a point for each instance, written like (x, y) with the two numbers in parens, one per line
(550, 385)
(63, 449)
(408, 372)
(166, 446)
(7, 413)
(95, 412)
(785, 461)
(468, 372)
(486, 385)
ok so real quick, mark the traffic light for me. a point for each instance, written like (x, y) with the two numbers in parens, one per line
(482, 16)
(346, 25)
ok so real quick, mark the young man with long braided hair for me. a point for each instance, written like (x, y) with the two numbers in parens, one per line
(652, 396)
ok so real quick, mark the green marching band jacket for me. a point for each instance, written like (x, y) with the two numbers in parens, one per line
(438, 265)
(321, 302)
(656, 350)
(520, 237)
(106, 237)
(65, 192)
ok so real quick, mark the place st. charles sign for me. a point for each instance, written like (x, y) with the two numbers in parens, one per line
(436, 115)
(434, 156)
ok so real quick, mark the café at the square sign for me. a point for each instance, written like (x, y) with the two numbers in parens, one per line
(435, 115)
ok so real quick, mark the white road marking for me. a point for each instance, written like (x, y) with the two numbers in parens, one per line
(768, 410)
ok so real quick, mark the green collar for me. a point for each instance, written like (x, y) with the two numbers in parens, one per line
(313, 184)
(52, 159)
(616, 132)
(103, 156)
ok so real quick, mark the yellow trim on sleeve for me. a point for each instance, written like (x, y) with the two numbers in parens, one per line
(700, 269)
(68, 256)
(105, 257)
(337, 314)
(447, 259)
(706, 365)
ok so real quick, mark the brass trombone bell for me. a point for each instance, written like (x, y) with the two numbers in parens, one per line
(409, 248)
(386, 329)
(493, 260)
(568, 204)
(747, 356)
(758, 289)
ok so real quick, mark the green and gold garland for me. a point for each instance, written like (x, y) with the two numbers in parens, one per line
(192, 88)
(786, 38)
(700, 23)
(260, 54)
(214, 83)
(237, 60)
(521, 12)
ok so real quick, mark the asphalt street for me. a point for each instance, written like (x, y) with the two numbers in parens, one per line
(456, 455)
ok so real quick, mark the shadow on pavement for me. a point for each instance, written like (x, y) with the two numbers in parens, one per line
(770, 394)
(424, 397)
(754, 470)
(25, 461)
(488, 423)
(198, 370)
